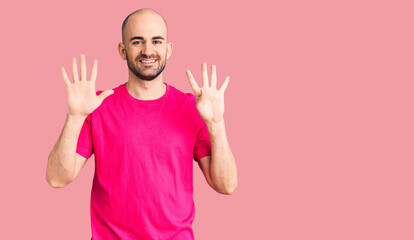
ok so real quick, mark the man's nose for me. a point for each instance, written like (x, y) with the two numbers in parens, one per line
(147, 50)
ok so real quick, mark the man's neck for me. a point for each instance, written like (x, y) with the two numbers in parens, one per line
(146, 90)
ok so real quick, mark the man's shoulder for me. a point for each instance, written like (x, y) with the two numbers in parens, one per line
(180, 95)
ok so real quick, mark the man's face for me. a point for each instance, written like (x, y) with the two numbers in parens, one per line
(146, 47)
(146, 67)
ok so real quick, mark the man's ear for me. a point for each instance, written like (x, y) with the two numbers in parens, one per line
(121, 49)
(169, 50)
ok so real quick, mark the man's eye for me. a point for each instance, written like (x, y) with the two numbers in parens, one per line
(136, 42)
(157, 42)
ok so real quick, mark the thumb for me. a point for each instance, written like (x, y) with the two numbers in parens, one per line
(105, 94)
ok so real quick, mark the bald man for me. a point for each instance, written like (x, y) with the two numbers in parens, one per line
(144, 135)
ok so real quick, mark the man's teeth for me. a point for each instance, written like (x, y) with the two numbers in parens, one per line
(148, 61)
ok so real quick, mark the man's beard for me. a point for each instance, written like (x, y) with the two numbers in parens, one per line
(139, 73)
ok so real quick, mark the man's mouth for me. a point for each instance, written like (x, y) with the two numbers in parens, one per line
(148, 62)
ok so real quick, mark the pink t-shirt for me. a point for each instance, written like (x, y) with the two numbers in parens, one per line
(144, 152)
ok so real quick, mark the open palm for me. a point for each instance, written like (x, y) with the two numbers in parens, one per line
(209, 100)
(81, 94)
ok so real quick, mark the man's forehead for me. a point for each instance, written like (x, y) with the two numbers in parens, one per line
(146, 26)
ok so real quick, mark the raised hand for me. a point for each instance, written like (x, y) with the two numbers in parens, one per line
(81, 94)
(209, 100)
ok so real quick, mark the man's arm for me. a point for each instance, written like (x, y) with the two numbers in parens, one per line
(64, 164)
(223, 169)
(220, 168)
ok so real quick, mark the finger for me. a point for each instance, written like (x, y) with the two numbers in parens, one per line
(105, 94)
(74, 70)
(94, 71)
(65, 76)
(224, 86)
(193, 83)
(204, 74)
(213, 76)
(82, 67)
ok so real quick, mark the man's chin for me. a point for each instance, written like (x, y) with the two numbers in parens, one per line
(146, 74)
(140, 74)
(146, 77)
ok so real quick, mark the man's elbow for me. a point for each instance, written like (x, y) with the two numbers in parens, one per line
(228, 190)
(56, 184)
(54, 179)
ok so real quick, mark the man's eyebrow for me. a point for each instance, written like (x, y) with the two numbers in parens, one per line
(136, 37)
(141, 38)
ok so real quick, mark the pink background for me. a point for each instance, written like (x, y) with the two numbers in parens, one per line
(319, 113)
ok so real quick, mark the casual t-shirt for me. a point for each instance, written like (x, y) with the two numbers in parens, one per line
(144, 152)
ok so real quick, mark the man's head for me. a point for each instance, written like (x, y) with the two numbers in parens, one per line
(144, 43)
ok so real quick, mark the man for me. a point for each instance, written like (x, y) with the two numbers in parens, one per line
(144, 134)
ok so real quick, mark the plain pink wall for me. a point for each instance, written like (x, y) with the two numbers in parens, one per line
(319, 113)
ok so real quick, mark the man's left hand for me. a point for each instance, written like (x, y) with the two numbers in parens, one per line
(209, 100)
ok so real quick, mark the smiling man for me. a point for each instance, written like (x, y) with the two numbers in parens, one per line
(144, 135)
(151, 63)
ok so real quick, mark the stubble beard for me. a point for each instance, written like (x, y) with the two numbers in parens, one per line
(139, 73)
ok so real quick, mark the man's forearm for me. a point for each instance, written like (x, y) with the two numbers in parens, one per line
(223, 169)
(62, 158)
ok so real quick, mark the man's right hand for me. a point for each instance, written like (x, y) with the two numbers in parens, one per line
(82, 99)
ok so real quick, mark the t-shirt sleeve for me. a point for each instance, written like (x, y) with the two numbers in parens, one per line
(85, 146)
(202, 147)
